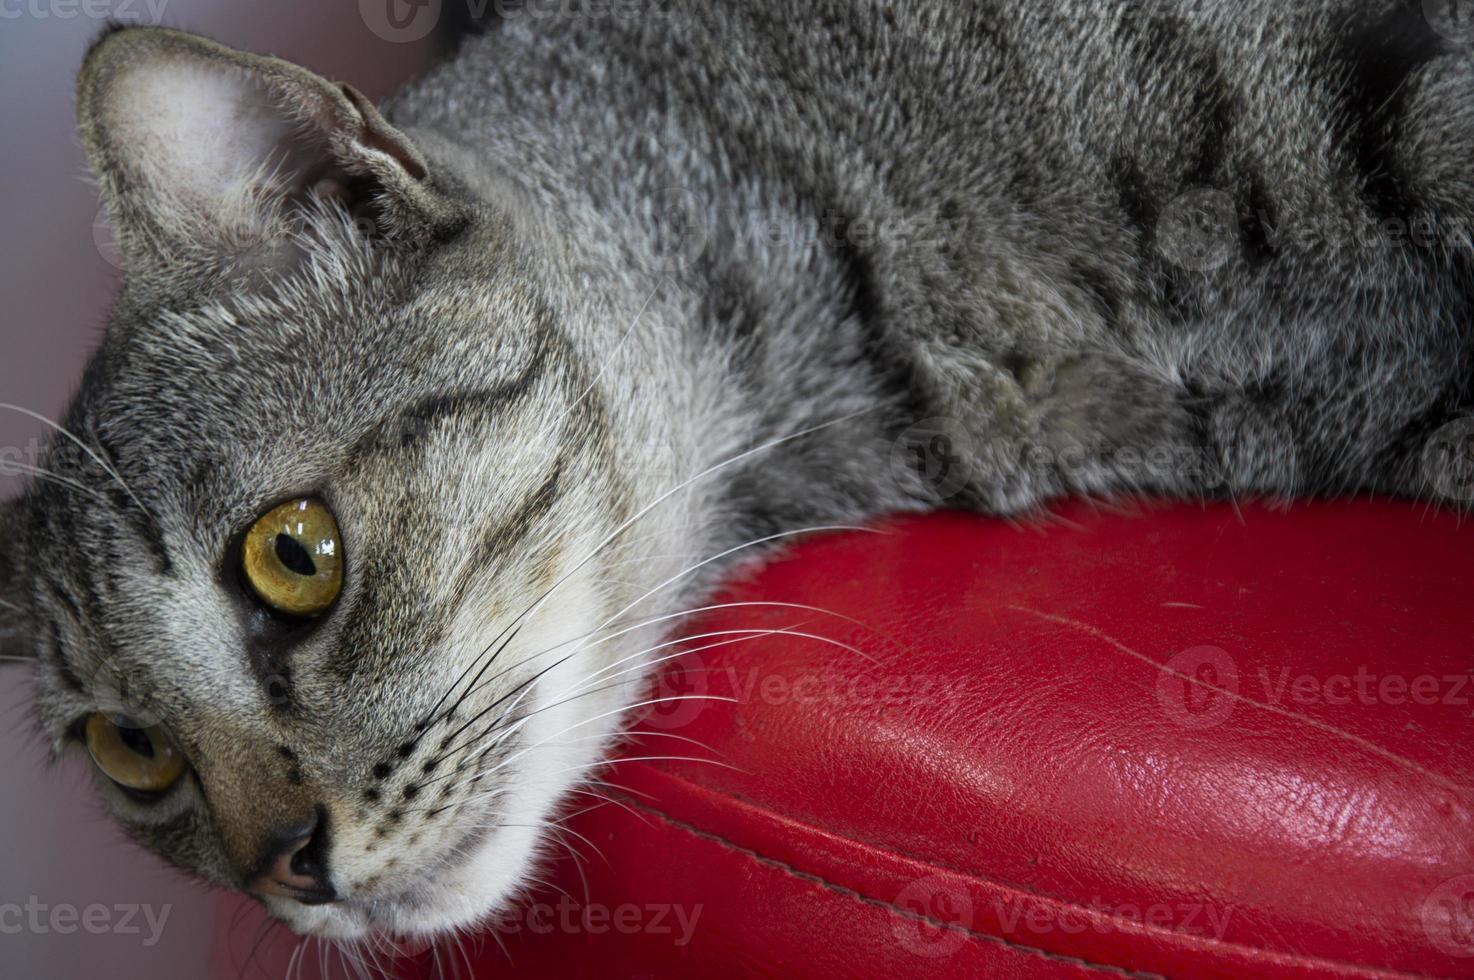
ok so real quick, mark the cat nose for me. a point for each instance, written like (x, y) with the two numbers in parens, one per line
(295, 864)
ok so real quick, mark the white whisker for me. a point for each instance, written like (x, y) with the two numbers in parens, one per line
(730, 551)
(647, 622)
(44, 474)
(81, 445)
(577, 691)
(587, 721)
(600, 763)
(292, 962)
(569, 830)
(613, 535)
(609, 800)
(784, 631)
(764, 540)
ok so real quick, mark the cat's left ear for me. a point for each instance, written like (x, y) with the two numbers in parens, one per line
(14, 630)
(208, 156)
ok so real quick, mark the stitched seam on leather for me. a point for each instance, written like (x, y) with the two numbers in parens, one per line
(945, 865)
(891, 907)
(1301, 960)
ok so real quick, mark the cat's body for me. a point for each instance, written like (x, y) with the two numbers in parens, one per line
(636, 288)
(962, 205)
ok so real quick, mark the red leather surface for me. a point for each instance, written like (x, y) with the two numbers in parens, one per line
(1181, 741)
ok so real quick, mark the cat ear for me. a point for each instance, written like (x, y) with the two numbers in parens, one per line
(13, 628)
(207, 156)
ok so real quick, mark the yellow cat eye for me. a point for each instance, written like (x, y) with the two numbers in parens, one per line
(142, 759)
(293, 558)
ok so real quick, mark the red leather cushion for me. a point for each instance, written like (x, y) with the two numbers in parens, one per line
(1180, 741)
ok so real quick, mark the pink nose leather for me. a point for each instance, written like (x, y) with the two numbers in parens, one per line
(281, 881)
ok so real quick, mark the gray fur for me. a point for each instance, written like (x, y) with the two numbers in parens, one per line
(595, 256)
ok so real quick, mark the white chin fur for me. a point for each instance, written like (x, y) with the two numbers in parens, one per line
(558, 748)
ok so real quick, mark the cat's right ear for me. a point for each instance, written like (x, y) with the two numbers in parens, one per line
(208, 156)
(14, 629)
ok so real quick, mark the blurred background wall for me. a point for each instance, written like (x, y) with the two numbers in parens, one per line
(57, 851)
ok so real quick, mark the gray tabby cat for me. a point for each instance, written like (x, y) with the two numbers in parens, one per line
(411, 432)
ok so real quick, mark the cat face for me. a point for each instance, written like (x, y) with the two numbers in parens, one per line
(309, 569)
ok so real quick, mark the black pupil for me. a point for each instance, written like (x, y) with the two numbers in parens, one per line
(137, 741)
(293, 556)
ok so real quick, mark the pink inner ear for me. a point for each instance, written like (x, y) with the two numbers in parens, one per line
(200, 132)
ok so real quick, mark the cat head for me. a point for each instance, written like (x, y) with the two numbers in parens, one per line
(305, 567)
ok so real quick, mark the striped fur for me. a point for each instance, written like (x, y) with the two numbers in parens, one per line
(848, 256)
